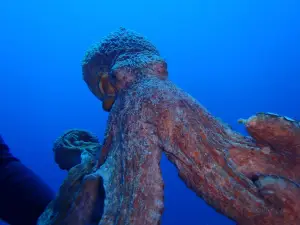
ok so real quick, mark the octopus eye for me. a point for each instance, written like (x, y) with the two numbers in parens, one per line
(101, 85)
(105, 86)
(102, 73)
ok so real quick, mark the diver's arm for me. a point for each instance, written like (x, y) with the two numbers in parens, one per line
(23, 195)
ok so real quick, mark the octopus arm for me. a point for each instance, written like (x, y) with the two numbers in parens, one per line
(216, 163)
(131, 172)
(280, 132)
(84, 206)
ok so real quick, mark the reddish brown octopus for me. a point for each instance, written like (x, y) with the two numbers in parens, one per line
(252, 180)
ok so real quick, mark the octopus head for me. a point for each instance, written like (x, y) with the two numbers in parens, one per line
(118, 61)
(71, 148)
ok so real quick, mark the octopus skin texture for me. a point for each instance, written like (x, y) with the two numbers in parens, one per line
(80, 198)
(252, 180)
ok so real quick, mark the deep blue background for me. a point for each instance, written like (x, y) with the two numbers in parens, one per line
(236, 57)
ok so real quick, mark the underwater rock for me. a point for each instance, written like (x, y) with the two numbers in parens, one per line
(81, 192)
(253, 181)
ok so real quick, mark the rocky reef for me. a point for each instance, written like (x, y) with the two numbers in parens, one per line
(252, 180)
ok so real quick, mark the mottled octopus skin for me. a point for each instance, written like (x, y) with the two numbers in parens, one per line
(279, 132)
(209, 156)
(253, 181)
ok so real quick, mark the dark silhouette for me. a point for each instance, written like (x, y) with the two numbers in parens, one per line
(23, 195)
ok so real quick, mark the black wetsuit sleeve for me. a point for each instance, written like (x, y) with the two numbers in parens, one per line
(5, 155)
(23, 195)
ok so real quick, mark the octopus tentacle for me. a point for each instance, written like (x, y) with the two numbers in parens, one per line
(280, 132)
(197, 144)
(282, 193)
(85, 209)
(131, 174)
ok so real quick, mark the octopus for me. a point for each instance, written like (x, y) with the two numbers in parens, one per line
(75, 151)
(253, 180)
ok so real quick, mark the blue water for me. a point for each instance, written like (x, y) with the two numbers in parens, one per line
(236, 57)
